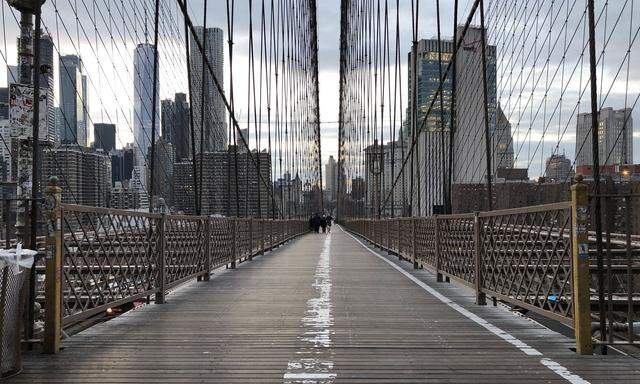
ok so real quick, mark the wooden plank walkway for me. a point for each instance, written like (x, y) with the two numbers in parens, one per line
(322, 309)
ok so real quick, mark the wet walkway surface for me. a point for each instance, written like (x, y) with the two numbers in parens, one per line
(323, 309)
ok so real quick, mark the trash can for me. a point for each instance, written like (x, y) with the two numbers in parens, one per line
(13, 272)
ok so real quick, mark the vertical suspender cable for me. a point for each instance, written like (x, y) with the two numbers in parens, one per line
(487, 133)
(452, 127)
(191, 123)
(154, 111)
(596, 163)
(203, 93)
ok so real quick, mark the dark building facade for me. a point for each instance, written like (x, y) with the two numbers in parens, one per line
(163, 170)
(181, 137)
(226, 189)
(4, 103)
(168, 118)
(87, 175)
(104, 136)
(122, 162)
(175, 125)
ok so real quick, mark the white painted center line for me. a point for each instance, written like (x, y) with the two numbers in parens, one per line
(314, 366)
(521, 345)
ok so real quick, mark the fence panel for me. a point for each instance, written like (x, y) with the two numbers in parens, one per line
(526, 258)
(425, 241)
(184, 248)
(109, 258)
(457, 247)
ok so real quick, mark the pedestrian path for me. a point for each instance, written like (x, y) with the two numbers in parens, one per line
(324, 308)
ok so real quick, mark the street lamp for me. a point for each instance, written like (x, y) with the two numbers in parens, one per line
(375, 164)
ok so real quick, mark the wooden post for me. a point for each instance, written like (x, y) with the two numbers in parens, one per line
(580, 267)
(161, 280)
(53, 271)
(207, 249)
(438, 248)
(481, 298)
(413, 244)
(234, 247)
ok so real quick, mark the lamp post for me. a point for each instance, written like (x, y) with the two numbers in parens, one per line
(27, 167)
(375, 165)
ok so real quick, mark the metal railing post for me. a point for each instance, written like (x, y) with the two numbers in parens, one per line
(161, 279)
(271, 235)
(414, 257)
(388, 236)
(207, 249)
(580, 267)
(438, 249)
(481, 298)
(399, 236)
(234, 246)
(262, 236)
(250, 238)
(53, 272)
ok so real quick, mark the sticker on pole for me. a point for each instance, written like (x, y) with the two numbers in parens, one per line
(21, 111)
(583, 251)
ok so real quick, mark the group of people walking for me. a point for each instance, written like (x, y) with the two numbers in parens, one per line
(317, 222)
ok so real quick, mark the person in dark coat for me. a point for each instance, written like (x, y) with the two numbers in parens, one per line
(329, 222)
(323, 223)
(316, 223)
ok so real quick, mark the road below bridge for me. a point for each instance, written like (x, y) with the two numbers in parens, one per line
(323, 309)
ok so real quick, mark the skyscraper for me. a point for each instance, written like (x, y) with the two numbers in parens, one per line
(163, 170)
(46, 81)
(428, 84)
(182, 128)
(432, 151)
(502, 143)
(72, 90)
(139, 184)
(168, 107)
(470, 161)
(331, 178)
(215, 122)
(143, 62)
(431, 156)
(104, 136)
(615, 135)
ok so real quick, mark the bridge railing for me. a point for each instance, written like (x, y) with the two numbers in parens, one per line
(109, 258)
(541, 258)
(521, 256)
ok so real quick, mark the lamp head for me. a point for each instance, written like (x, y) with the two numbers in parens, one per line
(30, 6)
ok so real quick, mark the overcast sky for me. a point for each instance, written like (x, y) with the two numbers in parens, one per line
(106, 45)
